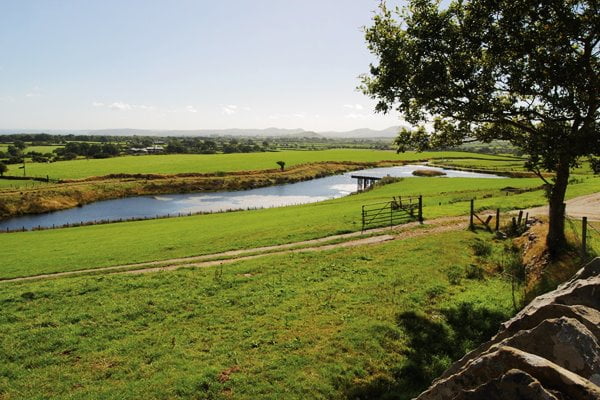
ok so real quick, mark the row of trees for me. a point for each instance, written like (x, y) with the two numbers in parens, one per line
(215, 145)
(88, 150)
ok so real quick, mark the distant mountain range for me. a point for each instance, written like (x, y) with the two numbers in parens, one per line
(365, 133)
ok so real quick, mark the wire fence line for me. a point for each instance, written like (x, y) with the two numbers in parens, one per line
(587, 236)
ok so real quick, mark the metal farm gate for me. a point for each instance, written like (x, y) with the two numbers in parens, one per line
(398, 210)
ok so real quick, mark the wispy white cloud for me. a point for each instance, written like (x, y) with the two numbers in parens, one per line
(297, 115)
(229, 109)
(121, 106)
(143, 107)
(355, 116)
(35, 92)
(356, 107)
(118, 105)
(191, 109)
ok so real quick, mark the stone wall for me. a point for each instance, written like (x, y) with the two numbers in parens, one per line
(549, 350)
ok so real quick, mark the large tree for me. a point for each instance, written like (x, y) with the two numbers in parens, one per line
(526, 71)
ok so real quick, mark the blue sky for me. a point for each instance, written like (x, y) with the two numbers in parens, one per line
(185, 64)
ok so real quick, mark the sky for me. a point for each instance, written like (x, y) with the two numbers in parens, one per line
(179, 64)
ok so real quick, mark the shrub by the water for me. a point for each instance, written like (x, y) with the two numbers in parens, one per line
(428, 172)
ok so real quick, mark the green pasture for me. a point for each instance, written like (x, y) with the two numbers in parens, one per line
(180, 163)
(39, 149)
(508, 164)
(497, 165)
(372, 322)
(8, 184)
(37, 252)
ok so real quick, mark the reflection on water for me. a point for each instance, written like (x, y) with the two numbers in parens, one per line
(274, 196)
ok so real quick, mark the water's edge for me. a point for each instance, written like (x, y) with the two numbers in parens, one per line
(157, 206)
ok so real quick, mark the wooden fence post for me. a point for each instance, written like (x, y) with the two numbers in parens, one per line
(421, 209)
(471, 225)
(363, 219)
(497, 219)
(583, 236)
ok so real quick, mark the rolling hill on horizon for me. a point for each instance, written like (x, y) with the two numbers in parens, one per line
(267, 132)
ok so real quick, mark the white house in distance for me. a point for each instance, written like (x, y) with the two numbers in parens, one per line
(154, 149)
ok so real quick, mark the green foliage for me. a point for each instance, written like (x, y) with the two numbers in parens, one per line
(473, 66)
(386, 180)
(511, 263)
(454, 274)
(3, 168)
(281, 164)
(595, 164)
(481, 248)
(474, 271)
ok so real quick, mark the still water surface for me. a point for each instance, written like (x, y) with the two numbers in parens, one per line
(173, 204)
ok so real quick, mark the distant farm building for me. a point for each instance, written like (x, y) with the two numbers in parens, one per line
(155, 149)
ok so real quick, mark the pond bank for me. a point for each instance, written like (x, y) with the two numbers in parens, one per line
(76, 193)
(202, 202)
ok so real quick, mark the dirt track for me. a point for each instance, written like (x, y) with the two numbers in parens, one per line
(378, 235)
(583, 206)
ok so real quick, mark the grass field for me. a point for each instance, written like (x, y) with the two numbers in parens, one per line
(39, 149)
(504, 164)
(358, 323)
(114, 244)
(8, 184)
(180, 163)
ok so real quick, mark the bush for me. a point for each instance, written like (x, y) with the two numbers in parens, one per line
(435, 291)
(454, 275)
(39, 159)
(473, 271)
(595, 165)
(428, 172)
(512, 263)
(481, 248)
(386, 180)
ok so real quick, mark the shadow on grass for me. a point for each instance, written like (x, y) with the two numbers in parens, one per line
(431, 347)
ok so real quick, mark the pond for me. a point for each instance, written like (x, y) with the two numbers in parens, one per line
(174, 204)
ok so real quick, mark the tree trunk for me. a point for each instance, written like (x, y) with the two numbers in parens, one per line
(556, 240)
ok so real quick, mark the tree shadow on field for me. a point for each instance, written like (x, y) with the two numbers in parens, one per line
(431, 347)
